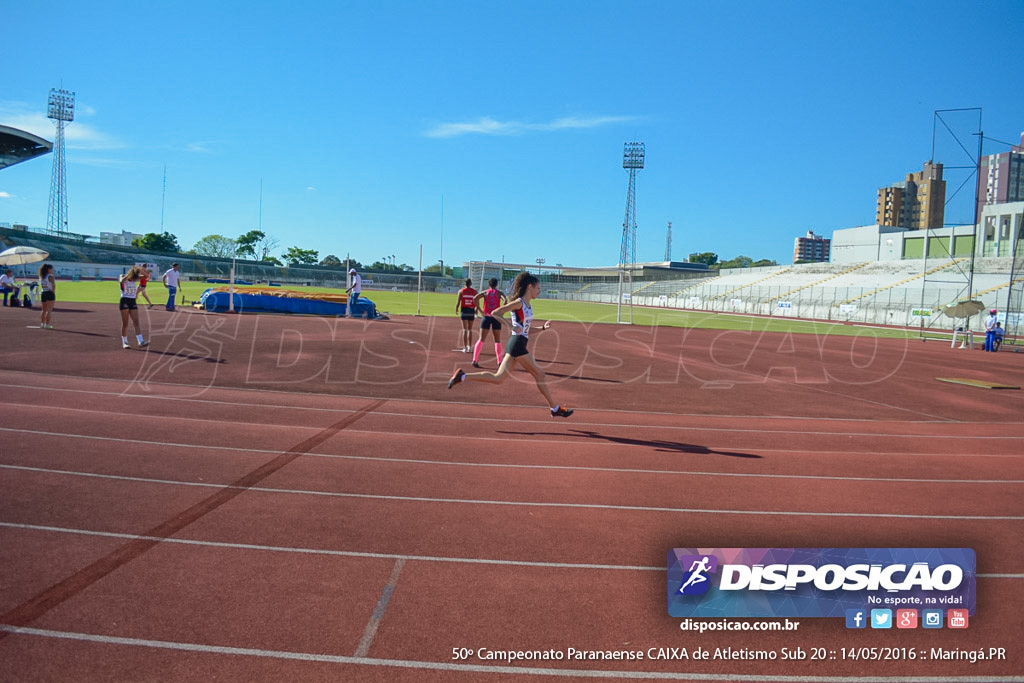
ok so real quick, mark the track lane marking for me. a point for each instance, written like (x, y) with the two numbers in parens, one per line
(520, 422)
(255, 390)
(505, 440)
(235, 489)
(622, 470)
(378, 612)
(375, 556)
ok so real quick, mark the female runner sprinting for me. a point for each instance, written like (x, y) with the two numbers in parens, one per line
(524, 290)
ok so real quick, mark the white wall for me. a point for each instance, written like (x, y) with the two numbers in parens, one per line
(868, 243)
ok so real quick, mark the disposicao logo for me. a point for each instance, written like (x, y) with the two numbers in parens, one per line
(696, 580)
(817, 582)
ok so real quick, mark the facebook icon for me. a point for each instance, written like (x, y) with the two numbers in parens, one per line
(856, 618)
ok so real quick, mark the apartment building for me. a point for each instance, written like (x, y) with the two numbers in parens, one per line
(1001, 176)
(811, 247)
(917, 203)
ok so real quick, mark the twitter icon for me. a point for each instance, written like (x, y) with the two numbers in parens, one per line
(881, 618)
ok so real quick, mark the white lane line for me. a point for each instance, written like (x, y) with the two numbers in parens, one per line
(512, 503)
(518, 423)
(344, 553)
(175, 418)
(481, 669)
(367, 555)
(438, 402)
(188, 399)
(613, 470)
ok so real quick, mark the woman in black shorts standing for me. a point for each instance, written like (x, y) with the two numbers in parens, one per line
(465, 306)
(129, 308)
(48, 285)
(524, 290)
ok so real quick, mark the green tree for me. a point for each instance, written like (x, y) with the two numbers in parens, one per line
(332, 261)
(305, 257)
(738, 262)
(436, 268)
(706, 257)
(151, 241)
(272, 259)
(395, 268)
(247, 243)
(256, 244)
(215, 245)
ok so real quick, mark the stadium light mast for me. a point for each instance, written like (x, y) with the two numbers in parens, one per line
(61, 109)
(668, 243)
(632, 161)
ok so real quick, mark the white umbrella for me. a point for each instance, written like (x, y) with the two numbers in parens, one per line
(16, 256)
(964, 308)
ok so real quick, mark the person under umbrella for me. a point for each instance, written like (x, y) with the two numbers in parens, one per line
(990, 330)
(8, 285)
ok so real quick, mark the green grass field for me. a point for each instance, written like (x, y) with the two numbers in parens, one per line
(432, 304)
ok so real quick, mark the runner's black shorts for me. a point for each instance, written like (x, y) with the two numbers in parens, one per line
(489, 322)
(128, 304)
(468, 313)
(48, 296)
(516, 345)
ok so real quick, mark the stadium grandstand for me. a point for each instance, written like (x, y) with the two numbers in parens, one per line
(904, 293)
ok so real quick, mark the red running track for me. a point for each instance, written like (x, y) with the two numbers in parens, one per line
(287, 498)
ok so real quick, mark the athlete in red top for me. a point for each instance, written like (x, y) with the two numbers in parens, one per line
(491, 300)
(144, 276)
(465, 306)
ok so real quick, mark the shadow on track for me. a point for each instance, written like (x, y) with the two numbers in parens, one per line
(187, 356)
(658, 445)
(87, 334)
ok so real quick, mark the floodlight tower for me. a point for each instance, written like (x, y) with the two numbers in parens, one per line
(60, 108)
(668, 243)
(632, 161)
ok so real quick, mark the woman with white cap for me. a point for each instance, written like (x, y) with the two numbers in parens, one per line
(354, 291)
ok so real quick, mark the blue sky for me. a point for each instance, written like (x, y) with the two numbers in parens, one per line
(761, 120)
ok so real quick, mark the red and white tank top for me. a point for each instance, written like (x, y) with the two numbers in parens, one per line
(521, 320)
(129, 289)
(466, 296)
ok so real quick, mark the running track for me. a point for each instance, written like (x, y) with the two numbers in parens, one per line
(281, 498)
